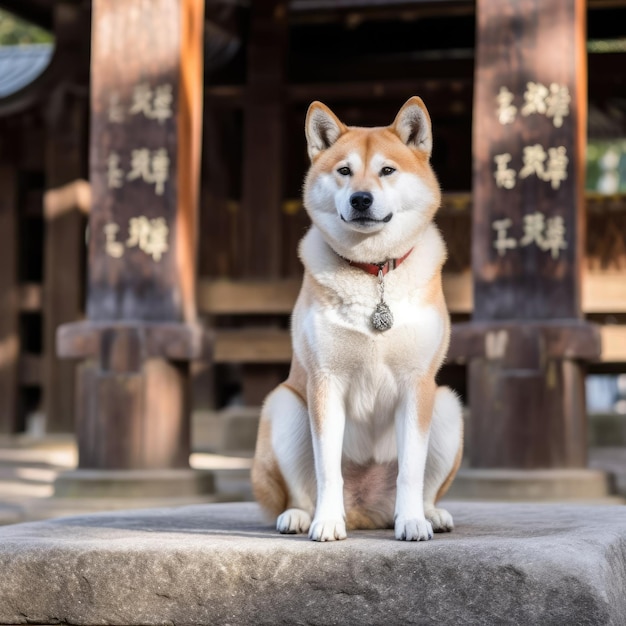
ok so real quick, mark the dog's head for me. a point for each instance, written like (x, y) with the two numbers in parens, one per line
(370, 190)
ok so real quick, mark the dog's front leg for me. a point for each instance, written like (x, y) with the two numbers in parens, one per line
(327, 427)
(412, 419)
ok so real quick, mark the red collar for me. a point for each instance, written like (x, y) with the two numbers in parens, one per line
(387, 266)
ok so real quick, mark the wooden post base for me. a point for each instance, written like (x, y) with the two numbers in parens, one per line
(133, 407)
(137, 419)
(526, 391)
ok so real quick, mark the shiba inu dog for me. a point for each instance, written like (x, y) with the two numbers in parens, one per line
(359, 435)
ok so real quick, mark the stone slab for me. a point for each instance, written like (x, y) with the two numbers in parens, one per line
(219, 564)
(239, 428)
(611, 459)
(40, 509)
(574, 484)
(10, 514)
(153, 483)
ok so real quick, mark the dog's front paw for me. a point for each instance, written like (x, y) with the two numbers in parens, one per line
(327, 530)
(440, 519)
(293, 521)
(413, 529)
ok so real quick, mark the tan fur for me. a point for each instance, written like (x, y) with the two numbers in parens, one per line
(366, 494)
(457, 464)
(297, 378)
(268, 484)
(294, 390)
(349, 385)
(425, 402)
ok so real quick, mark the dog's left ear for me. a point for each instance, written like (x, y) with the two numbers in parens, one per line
(412, 125)
(322, 128)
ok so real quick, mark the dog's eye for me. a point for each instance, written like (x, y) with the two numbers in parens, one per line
(344, 171)
(386, 171)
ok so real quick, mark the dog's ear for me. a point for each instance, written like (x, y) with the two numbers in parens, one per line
(412, 125)
(322, 128)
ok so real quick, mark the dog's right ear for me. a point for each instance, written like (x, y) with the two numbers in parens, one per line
(322, 128)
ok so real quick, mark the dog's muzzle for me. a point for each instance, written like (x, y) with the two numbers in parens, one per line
(361, 210)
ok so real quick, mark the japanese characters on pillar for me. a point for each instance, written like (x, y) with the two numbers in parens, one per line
(133, 270)
(141, 331)
(530, 115)
(527, 344)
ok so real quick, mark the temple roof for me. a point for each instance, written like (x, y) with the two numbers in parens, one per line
(20, 65)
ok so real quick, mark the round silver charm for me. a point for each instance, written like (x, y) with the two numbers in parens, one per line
(382, 317)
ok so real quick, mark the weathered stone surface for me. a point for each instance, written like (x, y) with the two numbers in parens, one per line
(548, 485)
(518, 564)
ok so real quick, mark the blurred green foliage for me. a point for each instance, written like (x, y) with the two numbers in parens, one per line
(14, 31)
(606, 166)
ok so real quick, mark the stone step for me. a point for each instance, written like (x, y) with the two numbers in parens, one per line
(234, 429)
(611, 459)
(531, 564)
(531, 485)
(29, 467)
(607, 429)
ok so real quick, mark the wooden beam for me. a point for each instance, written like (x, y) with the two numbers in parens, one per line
(253, 345)
(247, 297)
(613, 343)
(442, 89)
(457, 289)
(67, 198)
(264, 345)
(603, 292)
(30, 298)
(333, 10)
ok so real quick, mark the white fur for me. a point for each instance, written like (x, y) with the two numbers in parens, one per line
(375, 373)
(404, 195)
(362, 385)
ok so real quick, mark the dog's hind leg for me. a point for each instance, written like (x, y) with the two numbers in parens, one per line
(445, 449)
(285, 435)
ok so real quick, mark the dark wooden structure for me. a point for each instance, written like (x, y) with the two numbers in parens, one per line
(45, 195)
(527, 342)
(264, 62)
(141, 330)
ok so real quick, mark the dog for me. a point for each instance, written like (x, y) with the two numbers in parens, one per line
(359, 436)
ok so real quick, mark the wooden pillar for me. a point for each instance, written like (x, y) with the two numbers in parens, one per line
(527, 342)
(141, 331)
(9, 310)
(260, 249)
(67, 111)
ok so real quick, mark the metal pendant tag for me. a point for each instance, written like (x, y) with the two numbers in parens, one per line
(382, 317)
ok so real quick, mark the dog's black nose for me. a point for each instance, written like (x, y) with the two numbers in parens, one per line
(361, 200)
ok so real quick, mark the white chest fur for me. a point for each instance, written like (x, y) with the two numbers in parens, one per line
(374, 370)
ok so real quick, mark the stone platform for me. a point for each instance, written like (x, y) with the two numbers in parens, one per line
(219, 564)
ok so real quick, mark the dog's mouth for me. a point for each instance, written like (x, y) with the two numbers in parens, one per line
(363, 220)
